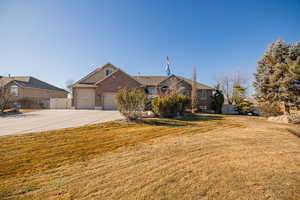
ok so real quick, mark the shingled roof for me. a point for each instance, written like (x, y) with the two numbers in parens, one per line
(156, 80)
(150, 80)
(29, 82)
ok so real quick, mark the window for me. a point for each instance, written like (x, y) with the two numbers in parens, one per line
(203, 95)
(108, 72)
(203, 108)
(14, 90)
(151, 90)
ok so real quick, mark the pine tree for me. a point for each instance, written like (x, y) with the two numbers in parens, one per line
(218, 100)
(278, 73)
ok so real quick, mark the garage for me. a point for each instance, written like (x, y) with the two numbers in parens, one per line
(109, 101)
(85, 98)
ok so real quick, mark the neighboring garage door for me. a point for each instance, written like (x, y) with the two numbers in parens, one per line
(109, 101)
(85, 98)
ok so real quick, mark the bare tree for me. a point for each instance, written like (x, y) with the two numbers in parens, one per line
(194, 91)
(228, 82)
(6, 99)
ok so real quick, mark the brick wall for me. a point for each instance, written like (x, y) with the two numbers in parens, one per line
(114, 83)
(207, 101)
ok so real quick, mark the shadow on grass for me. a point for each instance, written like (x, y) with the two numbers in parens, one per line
(198, 117)
(184, 121)
(296, 133)
(164, 122)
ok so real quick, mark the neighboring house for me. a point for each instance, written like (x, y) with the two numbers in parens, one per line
(98, 89)
(30, 92)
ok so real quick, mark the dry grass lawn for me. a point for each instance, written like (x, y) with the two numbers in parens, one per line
(200, 157)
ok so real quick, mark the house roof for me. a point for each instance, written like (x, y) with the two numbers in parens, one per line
(199, 85)
(156, 80)
(84, 85)
(150, 80)
(144, 80)
(92, 73)
(29, 82)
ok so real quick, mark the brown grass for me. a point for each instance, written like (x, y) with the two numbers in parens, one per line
(209, 157)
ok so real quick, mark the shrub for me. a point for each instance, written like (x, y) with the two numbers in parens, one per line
(270, 109)
(171, 105)
(131, 103)
(244, 107)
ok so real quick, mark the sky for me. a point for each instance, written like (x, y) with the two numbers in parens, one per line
(62, 40)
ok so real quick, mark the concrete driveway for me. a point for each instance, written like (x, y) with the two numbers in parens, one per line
(45, 120)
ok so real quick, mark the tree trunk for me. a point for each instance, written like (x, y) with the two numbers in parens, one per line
(286, 109)
(194, 92)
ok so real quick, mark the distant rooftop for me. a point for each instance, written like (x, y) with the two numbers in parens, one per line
(30, 82)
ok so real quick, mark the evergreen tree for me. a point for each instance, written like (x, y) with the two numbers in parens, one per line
(278, 74)
(218, 100)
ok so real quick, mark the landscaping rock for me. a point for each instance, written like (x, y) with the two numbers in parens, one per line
(148, 114)
(286, 118)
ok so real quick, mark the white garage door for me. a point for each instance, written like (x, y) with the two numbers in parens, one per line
(85, 98)
(109, 101)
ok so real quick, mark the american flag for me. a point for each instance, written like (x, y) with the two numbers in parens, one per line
(167, 69)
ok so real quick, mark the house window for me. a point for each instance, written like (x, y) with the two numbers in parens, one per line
(108, 72)
(203, 95)
(151, 90)
(203, 108)
(14, 90)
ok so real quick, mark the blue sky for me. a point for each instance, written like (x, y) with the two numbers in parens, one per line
(59, 40)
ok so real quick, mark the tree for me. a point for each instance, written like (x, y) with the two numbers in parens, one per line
(218, 100)
(278, 74)
(227, 82)
(242, 106)
(238, 94)
(194, 92)
(6, 99)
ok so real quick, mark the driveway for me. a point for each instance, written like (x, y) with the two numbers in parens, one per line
(45, 120)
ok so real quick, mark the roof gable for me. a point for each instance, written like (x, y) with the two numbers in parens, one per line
(96, 75)
(117, 73)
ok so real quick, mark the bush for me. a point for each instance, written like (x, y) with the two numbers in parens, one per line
(244, 107)
(171, 105)
(131, 103)
(270, 109)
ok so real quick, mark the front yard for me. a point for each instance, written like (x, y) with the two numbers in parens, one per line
(203, 156)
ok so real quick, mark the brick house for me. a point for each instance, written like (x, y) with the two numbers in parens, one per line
(31, 92)
(98, 89)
